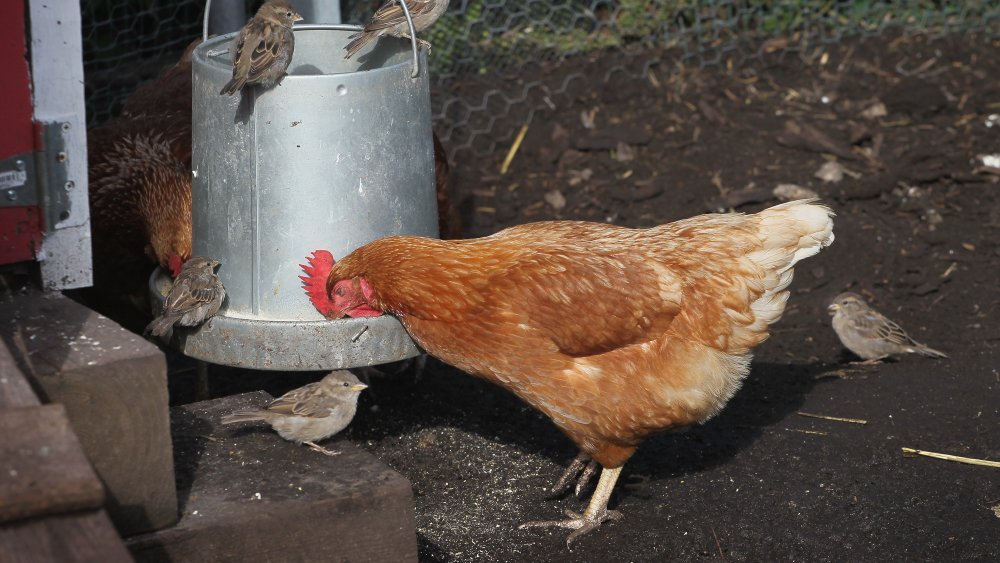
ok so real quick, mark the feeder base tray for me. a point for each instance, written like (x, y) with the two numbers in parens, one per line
(288, 345)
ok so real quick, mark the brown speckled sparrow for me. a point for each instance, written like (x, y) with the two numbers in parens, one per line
(310, 413)
(390, 20)
(195, 296)
(264, 47)
(870, 335)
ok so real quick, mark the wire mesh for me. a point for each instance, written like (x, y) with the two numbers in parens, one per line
(496, 63)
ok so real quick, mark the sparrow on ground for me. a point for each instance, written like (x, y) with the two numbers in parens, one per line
(264, 47)
(312, 412)
(870, 335)
(195, 296)
(390, 20)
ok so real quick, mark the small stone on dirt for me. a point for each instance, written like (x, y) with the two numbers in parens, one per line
(555, 199)
(831, 172)
(789, 192)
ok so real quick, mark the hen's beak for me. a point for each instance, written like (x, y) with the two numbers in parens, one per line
(359, 387)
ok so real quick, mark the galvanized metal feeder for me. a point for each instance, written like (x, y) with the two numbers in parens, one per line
(339, 154)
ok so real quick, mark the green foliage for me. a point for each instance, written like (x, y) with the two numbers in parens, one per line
(493, 34)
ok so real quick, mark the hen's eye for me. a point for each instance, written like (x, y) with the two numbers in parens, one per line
(339, 291)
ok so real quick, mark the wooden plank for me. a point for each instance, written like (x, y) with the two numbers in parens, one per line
(42, 467)
(15, 391)
(114, 386)
(248, 495)
(86, 536)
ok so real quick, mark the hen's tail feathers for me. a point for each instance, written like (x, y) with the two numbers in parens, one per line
(162, 326)
(314, 281)
(359, 41)
(931, 352)
(790, 232)
(244, 416)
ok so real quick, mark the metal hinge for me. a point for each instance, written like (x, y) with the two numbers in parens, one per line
(52, 165)
(40, 178)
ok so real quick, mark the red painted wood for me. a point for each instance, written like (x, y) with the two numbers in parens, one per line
(15, 95)
(20, 233)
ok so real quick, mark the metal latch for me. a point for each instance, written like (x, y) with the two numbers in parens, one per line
(17, 181)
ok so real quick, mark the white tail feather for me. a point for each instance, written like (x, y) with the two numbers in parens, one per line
(791, 232)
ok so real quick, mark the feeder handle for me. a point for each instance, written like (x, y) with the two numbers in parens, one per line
(204, 22)
(413, 38)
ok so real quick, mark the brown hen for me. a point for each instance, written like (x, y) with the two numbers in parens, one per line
(140, 207)
(170, 92)
(614, 333)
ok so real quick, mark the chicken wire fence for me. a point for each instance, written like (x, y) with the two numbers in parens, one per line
(497, 63)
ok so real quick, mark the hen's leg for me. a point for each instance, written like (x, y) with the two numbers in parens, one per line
(321, 449)
(596, 513)
(581, 469)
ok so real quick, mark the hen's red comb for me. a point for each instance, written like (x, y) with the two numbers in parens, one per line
(314, 281)
(175, 264)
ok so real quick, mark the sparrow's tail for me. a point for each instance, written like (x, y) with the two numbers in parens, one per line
(928, 351)
(359, 41)
(232, 86)
(244, 416)
(162, 326)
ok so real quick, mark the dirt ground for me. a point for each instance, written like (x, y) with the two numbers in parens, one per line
(918, 215)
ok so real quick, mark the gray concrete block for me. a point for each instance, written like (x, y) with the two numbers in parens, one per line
(248, 495)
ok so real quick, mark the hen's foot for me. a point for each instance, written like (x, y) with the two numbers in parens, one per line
(581, 470)
(321, 449)
(580, 523)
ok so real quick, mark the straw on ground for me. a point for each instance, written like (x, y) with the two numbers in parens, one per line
(836, 418)
(949, 457)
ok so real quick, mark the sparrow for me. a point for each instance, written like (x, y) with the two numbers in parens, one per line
(264, 47)
(390, 20)
(195, 296)
(310, 413)
(870, 335)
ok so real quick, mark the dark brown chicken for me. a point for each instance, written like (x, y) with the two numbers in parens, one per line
(140, 202)
(140, 189)
(168, 93)
(614, 333)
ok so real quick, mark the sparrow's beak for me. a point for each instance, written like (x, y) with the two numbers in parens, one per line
(298, 18)
(359, 387)
(833, 308)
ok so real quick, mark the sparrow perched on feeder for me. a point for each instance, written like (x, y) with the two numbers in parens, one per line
(390, 20)
(195, 296)
(310, 413)
(264, 47)
(614, 333)
(870, 335)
